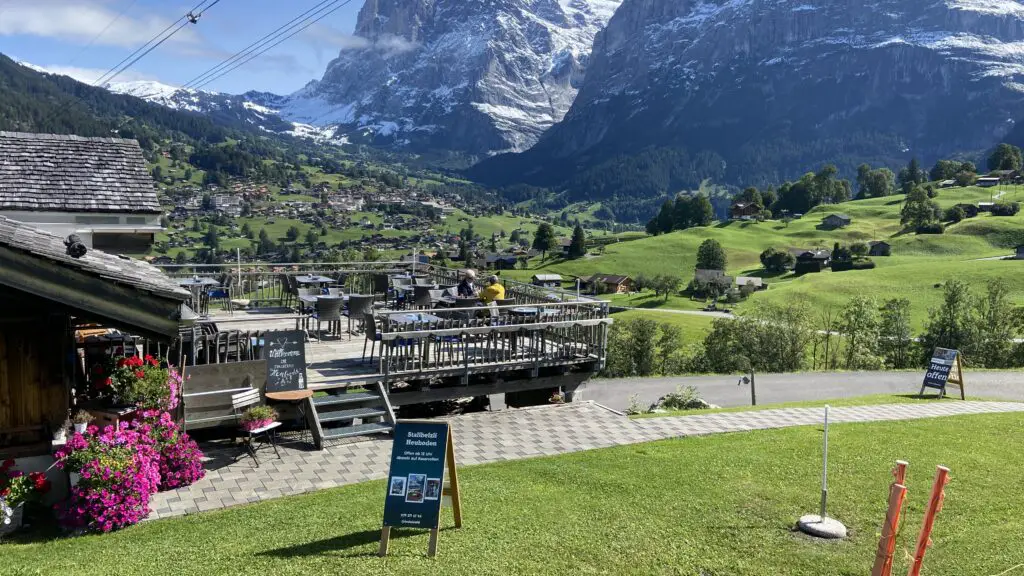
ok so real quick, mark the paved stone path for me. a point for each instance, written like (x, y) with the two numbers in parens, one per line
(498, 436)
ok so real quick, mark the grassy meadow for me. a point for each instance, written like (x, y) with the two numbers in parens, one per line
(917, 268)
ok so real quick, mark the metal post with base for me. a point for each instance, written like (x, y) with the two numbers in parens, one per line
(820, 525)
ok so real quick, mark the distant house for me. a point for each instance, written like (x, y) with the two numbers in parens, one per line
(988, 181)
(814, 260)
(97, 188)
(947, 184)
(547, 280)
(754, 281)
(500, 261)
(564, 244)
(836, 221)
(609, 284)
(879, 248)
(702, 276)
(744, 211)
(1005, 176)
(985, 206)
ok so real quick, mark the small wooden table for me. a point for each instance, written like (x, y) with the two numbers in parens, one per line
(298, 397)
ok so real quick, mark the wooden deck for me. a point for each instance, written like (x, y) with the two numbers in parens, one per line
(474, 359)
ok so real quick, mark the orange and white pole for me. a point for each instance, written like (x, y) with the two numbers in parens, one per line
(934, 505)
(887, 543)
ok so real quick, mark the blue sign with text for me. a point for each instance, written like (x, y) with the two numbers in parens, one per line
(939, 368)
(417, 473)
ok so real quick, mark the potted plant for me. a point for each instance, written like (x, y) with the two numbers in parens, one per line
(258, 417)
(17, 488)
(81, 421)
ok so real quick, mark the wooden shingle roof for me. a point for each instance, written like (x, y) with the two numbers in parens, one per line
(121, 270)
(59, 173)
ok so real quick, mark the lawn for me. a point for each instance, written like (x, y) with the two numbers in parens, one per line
(867, 400)
(712, 505)
(694, 327)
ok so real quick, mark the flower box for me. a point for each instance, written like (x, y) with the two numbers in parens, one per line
(251, 425)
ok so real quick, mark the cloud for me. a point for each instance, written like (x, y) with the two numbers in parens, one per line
(326, 39)
(79, 21)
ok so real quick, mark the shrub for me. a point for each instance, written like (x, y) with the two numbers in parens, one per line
(1005, 209)
(860, 264)
(931, 228)
(775, 260)
(954, 214)
(682, 399)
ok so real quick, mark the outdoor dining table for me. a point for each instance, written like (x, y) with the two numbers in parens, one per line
(314, 280)
(197, 282)
(526, 311)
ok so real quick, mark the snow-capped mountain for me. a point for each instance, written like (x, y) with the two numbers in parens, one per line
(478, 76)
(776, 87)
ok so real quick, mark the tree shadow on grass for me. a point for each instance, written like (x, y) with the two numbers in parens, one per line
(342, 543)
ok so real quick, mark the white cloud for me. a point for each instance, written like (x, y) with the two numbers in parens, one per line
(326, 39)
(79, 21)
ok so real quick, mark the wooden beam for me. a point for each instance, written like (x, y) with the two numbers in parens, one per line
(571, 380)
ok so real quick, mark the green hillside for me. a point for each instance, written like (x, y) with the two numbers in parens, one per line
(918, 262)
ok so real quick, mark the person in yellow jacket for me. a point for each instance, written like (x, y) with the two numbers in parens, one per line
(493, 291)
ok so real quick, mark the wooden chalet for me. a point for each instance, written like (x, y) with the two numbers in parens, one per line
(609, 284)
(47, 289)
(97, 188)
(836, 221)
(814, 260)
(744, 211)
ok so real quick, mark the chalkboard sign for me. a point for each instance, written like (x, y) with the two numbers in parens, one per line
(285, 353)
(941, 371)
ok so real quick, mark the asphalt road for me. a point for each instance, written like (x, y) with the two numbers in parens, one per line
(774, 388)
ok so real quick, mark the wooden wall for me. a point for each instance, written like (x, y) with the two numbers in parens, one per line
(33, 389)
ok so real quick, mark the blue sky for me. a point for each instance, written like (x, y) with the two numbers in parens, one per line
(55, 34)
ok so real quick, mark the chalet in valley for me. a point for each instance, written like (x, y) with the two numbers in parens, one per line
(97, 188)
(836, 221)
(609, 284)
(744, 211)
(814, 260)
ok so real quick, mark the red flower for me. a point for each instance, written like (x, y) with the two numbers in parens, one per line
(5, 493)
(140, 374)
(122, 362)
(7, 465)
(152, 361)
(97, 369)
(107, 382)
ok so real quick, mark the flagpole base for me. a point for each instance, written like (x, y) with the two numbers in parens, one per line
(814, 525)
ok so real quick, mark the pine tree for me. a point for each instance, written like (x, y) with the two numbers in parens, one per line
(578, 247)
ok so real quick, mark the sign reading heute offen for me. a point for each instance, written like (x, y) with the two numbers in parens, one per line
(939, 368)
(417, 473)
(285, 353)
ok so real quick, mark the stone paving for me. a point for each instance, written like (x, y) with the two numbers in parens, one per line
(498, 436)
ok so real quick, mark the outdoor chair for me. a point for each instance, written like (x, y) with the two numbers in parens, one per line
(239, 403)
(423, 281)
(380, 284)
(335, 292)
(421, 297)
(222, 293)
(372, 335)
(286, 293)
(358, 307)
(328, 310)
